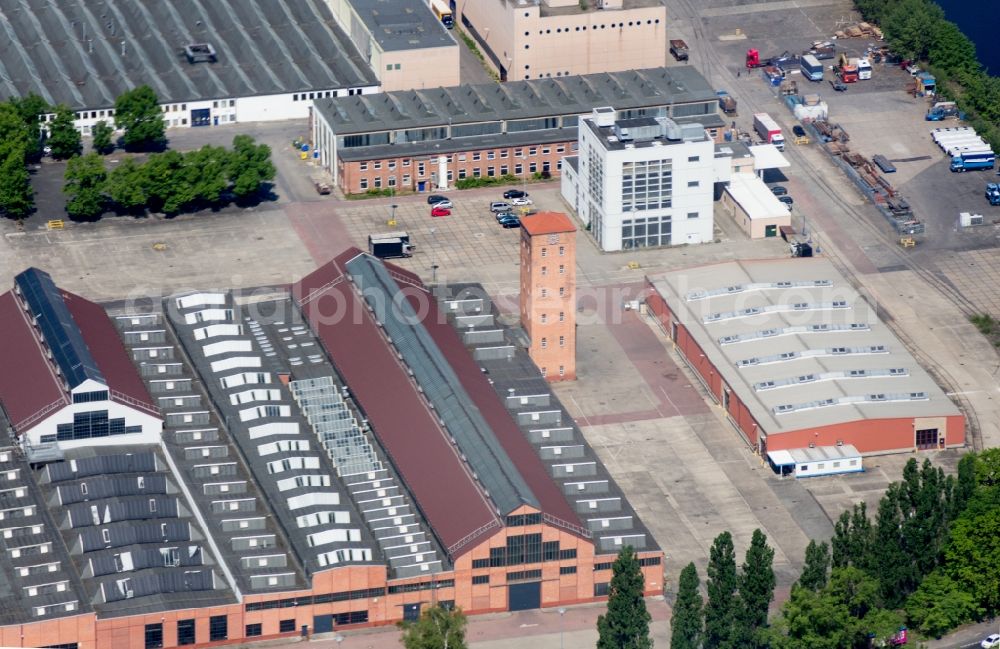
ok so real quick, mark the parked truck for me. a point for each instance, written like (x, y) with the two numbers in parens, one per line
(973, 160)
(847, 69)
(768, 130)
(822, 50)
(942, 110)
(993, 193)
(390, 245)
(679, 49)
(727, 103)
(812, 69)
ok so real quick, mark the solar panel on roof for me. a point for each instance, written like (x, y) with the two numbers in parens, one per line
(62, 335)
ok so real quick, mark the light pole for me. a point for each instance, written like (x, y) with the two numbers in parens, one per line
(562, 612)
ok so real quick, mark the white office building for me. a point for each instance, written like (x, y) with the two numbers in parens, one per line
(642, 182)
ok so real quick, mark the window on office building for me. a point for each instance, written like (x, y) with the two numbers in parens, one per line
(185, 632)
(154, 636)
(254, 630)
(218, 627)
(647, 185)
(645, 232)
(286, 626)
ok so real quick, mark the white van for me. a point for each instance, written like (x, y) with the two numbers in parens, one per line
(864, 70)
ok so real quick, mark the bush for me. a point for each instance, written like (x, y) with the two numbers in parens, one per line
(483, 181)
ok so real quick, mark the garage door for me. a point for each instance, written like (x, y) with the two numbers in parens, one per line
(522, 597)
(322, 623)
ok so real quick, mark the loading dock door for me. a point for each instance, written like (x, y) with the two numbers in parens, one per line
(201, 117)
(523, 597)
(322, 623)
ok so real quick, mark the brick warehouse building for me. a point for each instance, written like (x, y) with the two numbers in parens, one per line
(313, 473)
(422, 140)
(799, 360)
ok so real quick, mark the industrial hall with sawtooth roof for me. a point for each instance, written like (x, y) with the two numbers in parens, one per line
(337, 454)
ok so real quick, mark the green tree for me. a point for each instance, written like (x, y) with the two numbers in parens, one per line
(206, 171)
(138, 113)
(64, 139)
(722, 606)
(126, 186)
(626, 624)
(30, 110)
(102, 134)
(249, 167)
(952, 51)
(988, 467)
(893, 565)
(972, 556)
(16, 195)
(911, 25)
(965, 485)
(167, 183)
(85, 176)
(852, 537)
(756, 589)
(686, 624)
(437, 628)
(817, 564)
(813, 619)
(939, 605)
(14, 134)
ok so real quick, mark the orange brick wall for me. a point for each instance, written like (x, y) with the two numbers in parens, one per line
(867, 435)
(407, 170)
(128, 632)
(548, 315)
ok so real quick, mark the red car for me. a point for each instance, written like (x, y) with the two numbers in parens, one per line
(440, 211)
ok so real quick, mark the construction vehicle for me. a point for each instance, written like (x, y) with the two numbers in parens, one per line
(846, 70)
(679, 49)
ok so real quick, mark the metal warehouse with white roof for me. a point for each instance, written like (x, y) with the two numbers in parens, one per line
(798, 359)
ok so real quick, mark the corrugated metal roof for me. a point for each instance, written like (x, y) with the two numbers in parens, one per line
(407, 429)
(572, 95)
(85, 53)
(798, 344)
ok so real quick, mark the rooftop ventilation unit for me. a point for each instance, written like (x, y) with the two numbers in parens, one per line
(200, 53)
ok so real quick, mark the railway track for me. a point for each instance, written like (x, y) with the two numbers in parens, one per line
(716, 71)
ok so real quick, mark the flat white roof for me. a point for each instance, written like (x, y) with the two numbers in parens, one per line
(767, 156)
(814, 454)
(798, 345)
(755, 197)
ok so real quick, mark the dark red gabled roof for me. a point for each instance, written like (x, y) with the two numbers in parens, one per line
(28, 382)
(112, 358)
(407, 429)
(506, 430)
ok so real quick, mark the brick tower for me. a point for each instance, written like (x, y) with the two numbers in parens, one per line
(548, 292)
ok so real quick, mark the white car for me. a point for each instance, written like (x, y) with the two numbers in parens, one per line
(445, 204)
(992, 640)
(520, 201)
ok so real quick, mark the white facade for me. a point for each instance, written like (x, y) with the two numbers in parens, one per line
(230, 110)
(145, 426)
(818, 461)
(642, 191)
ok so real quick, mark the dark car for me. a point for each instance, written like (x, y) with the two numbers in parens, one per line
(510, 222)
(515, 193)
(798, 131)
(838, 85)
(787, 200)
(778, 190)
(436, 198)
